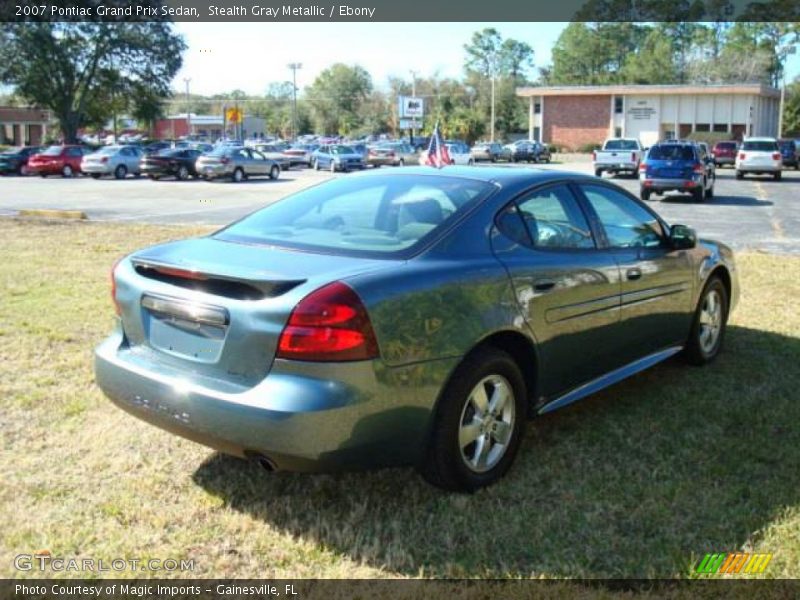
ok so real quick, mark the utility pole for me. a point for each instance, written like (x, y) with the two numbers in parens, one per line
(294, 66)
(186, 80)
(493, 73)
(492, 107)
(413, 95)
(786, 53)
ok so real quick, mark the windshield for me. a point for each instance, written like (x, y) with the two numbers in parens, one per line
(361, 216)
(787, 145)
(621, 145)
(671, 152)
(762, 146)
(52, 151)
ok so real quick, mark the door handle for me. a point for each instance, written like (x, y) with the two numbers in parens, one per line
(544, 285)
(633, 274)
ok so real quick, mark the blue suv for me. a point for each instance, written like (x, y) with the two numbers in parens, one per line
(681, 166)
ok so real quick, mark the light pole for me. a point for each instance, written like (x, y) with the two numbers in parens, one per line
(187, 80)
(787, 52)
(294, 66)
(492, 73)
(413, 95)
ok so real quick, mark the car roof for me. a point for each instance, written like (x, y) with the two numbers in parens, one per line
(760, 139)
(502, 176)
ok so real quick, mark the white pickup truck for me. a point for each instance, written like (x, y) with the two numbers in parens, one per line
(619, 155)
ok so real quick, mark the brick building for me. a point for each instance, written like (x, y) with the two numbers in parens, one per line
(23, 126)
(574, 116)
(209, 126)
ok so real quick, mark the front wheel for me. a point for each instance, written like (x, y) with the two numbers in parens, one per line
(67, 171)
(183, 173)
(710, 190)
(238, 175)
(708, 327)
(316, 165)
(402, 163)
(120, 172)
(333, 167)
(478, 424)
(598, 172)
(778, 176)
(274, 172)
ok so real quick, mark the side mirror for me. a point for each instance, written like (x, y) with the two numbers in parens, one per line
(682, 237)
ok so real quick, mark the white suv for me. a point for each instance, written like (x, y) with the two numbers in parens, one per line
(759, 155)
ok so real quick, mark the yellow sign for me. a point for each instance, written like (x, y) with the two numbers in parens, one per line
(233, 115)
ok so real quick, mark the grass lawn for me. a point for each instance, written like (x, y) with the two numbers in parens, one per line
(638, 481)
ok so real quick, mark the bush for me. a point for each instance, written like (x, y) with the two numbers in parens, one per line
(553, 148)
(709, 137)
(590, 147)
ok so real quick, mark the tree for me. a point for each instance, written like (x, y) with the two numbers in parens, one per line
(70, 67)
(652, 63)
(791, 111)
(336, 97)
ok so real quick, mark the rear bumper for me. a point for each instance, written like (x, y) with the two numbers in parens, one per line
(669, 185)
(615, 167)
(102, 169)
(302, 416)
(724, 160)
(759, 168)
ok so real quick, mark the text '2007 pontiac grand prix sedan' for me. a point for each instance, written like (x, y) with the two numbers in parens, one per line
(408, 318)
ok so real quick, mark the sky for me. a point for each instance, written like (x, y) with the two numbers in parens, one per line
(248, 56)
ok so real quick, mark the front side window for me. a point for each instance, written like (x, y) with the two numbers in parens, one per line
(627, 225)
(361, 216)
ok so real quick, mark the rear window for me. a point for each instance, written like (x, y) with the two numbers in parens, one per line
(671, 152)
(385, 216)
(726, 145)
(762, 146)
(52, 151)
(787, 145)
(621, 145)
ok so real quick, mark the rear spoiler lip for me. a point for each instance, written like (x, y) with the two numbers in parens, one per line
(269, 287)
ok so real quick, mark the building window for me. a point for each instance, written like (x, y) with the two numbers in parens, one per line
(537, 108)
(720, 128)
(702, 127)
(669, 134)
(617, 131)
(618, 105)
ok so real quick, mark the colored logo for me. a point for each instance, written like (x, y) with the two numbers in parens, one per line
(732, 563)
(233, 115)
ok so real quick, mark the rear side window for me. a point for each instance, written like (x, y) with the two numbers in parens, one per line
(550, 218)
(671, 152)
(762, 146)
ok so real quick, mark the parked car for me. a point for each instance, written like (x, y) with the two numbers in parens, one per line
(490, 151)
(300, 154)
(531, 152)
(156, 147)
(619, 155)
(790, 153)
(337, 157)
(236, 162)
(459, 154)
(64, 160)
(118, 161)
(397, 154)
(412, 316)
(681, 166)
(15, 160)
(725, 153)
(275, 153)
(759, 156)
(171, 162)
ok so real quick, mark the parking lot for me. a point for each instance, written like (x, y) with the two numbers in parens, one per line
(757, 213)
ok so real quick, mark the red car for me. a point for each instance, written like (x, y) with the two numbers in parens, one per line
(57, 160)
(725, 153)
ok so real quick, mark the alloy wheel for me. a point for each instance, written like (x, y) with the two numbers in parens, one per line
(486, 424)
(710, 321)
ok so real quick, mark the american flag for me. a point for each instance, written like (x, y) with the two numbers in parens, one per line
(438, 156)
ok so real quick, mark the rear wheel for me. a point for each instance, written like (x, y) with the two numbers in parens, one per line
(274, 172)
(183, 173)
(316, 165)
(778, 176)
(697, 194)
(739, 174)
(598, 172)
(708, 327)
(96, 175)
(67, 171)
(402, 163)
(478, 424)
(710, 190)
(238, 175)
(644, 194)
(23, 170)
(333, 167)
(120, 172)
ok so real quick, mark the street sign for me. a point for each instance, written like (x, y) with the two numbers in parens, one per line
(409, 123)
(233, 115)
(410, 106)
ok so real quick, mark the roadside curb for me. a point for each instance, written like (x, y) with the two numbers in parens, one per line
(48, 213)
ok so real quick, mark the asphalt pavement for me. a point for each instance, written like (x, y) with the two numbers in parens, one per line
(756, 214)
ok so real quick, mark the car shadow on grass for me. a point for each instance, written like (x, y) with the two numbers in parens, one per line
(640, 480)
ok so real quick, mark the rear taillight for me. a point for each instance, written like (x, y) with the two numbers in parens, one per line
(699, 168)
(776, 156)
(742, 156)
(643, 166)
(330, 324)
(117, 309)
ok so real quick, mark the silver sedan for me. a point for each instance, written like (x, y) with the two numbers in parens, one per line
(118, 161)
(237, 163)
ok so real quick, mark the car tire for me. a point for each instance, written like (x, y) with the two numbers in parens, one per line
(739, 174)
(120, 172)
(598, 172)
(470, 162)
(332, 167)
(274, 172)
(402, 163)
(778, 175)
(153, 177)
(183, 173)
(316, 165)
(709, 323)
(96, 175)
(698, 193)
(483, 378)
(67, 171)
(238, 175)
(644, 194)
(23, 170)
(710, 191)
